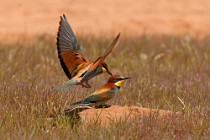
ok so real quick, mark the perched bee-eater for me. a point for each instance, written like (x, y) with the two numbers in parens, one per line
(74, 64)
(102, 95)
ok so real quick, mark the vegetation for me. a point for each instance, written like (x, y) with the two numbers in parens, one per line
(168, 72)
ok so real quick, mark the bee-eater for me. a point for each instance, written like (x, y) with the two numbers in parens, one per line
(74, 64)
(102, 95)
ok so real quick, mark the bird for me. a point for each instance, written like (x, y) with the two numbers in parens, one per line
(76, 67)
(101, 95)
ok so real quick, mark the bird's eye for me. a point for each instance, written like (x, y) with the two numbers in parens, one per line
(105, 66)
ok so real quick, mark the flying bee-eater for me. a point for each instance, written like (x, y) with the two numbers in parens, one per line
(101, 95)
(73, 62)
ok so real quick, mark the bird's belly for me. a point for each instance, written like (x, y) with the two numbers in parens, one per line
(109, 94)
(92, 74)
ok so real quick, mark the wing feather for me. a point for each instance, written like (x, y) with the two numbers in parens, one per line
(107, 52)
(109, 49)
(68, 48)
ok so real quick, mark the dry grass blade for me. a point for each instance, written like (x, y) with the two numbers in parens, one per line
(163, 68)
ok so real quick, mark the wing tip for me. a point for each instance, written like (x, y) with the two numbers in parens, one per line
(118, 36)
(63, 17)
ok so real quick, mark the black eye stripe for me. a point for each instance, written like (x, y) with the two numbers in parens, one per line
(118, 79)
(105, 66)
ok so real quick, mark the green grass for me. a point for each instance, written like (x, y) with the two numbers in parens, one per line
(168, 72)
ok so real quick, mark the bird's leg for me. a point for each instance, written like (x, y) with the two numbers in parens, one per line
(84, 86)
(103, 106)
(87, 85)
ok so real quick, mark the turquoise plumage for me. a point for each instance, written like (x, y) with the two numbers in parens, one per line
(102, 95)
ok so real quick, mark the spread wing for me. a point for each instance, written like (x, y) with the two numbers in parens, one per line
(109, 49)
(107, 52)
(68, 48)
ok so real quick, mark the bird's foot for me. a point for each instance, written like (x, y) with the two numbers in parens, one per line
(103, 106)
(87, 85)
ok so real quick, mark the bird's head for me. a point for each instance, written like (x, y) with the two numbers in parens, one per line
(117, 80)
(105, 68)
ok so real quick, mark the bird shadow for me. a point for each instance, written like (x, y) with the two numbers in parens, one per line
(74, 116)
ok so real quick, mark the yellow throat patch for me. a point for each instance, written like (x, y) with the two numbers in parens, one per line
(104, 70)
(119, 83)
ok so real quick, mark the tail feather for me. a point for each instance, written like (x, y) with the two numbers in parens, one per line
(66, 85)
(76, 105)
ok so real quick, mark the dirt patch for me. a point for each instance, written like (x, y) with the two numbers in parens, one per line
(115, 113)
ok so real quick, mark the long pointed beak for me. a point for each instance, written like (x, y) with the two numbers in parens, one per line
(109, 72)
(126, 78)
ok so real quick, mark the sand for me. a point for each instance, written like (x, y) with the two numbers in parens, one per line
(118, 114)
(100, 18)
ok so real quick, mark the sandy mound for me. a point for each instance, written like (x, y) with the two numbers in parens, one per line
(116, 113)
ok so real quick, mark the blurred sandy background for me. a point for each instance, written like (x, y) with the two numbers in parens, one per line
(107, 17)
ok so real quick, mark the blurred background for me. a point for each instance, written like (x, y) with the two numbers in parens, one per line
(94, 17)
